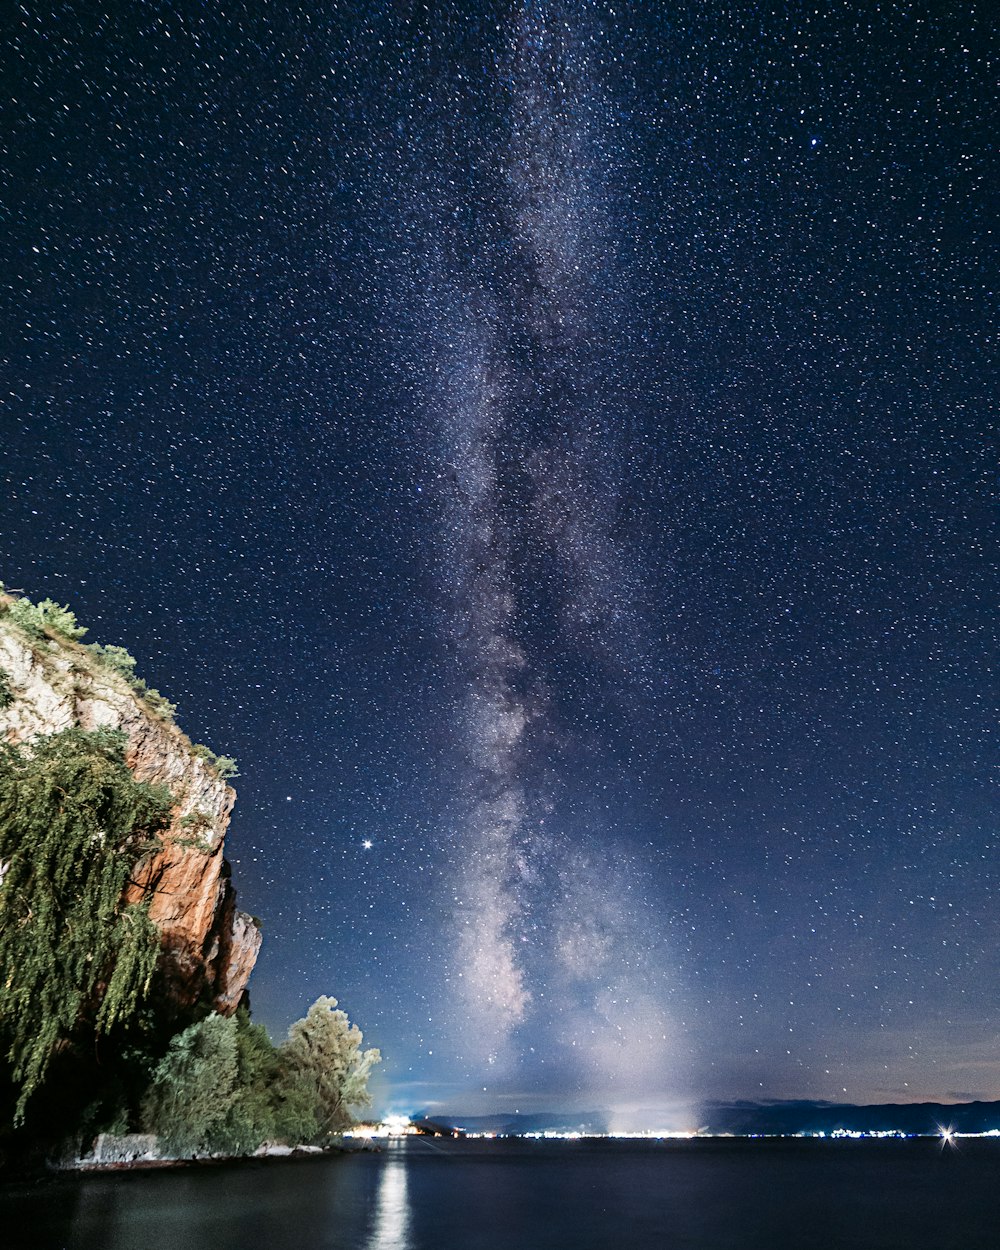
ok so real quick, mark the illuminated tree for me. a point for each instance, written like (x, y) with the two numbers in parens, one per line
(324, 1051)
(194, 1087)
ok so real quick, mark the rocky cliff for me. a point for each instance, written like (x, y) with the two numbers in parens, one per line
(209, 947)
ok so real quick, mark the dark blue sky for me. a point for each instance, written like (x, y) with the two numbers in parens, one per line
(551, 443)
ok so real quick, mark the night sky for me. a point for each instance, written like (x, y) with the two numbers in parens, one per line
(548, 444)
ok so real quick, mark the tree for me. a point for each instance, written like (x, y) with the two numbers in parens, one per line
(223, 1088)
(294, 1103)
(258, 1111)
(73, 957)
(194, 1087)
(324, 1050)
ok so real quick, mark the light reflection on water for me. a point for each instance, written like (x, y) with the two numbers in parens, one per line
(533, 1195)
(391, 1223)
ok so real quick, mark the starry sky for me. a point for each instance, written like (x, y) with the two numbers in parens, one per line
(548, 444)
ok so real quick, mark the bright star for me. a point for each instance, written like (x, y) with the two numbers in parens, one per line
(367, 844)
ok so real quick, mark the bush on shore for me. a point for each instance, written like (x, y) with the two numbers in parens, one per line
(224, 1088)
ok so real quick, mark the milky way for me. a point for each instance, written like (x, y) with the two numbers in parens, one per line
(547, 923)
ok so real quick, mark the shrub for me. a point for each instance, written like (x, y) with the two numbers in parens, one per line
(118, 659)
(224, 765)
(153, 699)
(194, 826)
(27, 617)
(35, 618)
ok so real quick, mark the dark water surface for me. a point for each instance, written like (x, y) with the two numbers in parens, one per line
(526, 1195)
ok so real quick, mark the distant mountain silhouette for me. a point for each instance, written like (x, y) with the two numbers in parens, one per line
(504, 1123)
(825, 1117)
(747, 1118)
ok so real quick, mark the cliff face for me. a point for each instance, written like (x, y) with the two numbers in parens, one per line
(208, 945)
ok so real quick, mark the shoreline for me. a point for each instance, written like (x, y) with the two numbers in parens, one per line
(84, 1167)
(77, 1168)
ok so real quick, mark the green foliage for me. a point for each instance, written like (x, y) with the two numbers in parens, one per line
(251, 1118)
(27, 617)
(36, 618)
(272, 1103)
(224, 765)
(6, 695)
(61, 619)
(122, 662)
(73, 822)
(324, 1053)
(194, 1087)
(294, 1105)
(198, 821)
(118, 659)
(153, 699)
(222, 1088)
(194, 828)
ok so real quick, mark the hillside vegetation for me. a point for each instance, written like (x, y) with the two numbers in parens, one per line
(91, 1039)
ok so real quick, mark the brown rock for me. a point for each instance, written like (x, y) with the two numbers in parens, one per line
(209, 946)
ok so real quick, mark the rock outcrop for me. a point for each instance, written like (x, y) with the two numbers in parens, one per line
(209, 947)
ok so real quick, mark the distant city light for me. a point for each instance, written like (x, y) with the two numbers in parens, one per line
(402, 1126)
(391, 1126)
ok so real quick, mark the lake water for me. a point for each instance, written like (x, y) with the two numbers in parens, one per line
(528, 1195)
